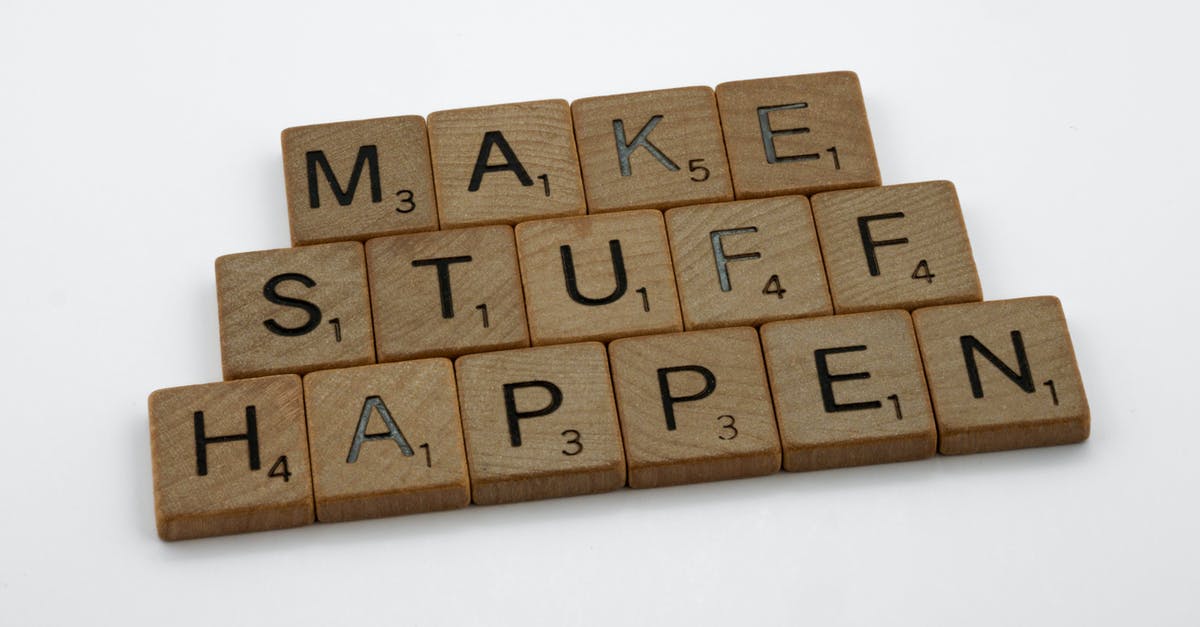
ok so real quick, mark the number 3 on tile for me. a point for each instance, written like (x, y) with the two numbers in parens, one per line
(573, 439)
(728, 431)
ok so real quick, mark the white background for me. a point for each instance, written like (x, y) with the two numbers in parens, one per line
(139, 141)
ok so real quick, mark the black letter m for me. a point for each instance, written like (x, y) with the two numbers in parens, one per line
(367, 155)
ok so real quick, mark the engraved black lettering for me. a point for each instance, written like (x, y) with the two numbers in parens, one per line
(1023, 379)
(827, 380)
(768, 134)
(618, 264)
(870, 244)
(368, 157)
(515, 416)
(723, 259)
(511, 162)
(443, 278)
(314, 313)
(669, 400)
(371, 405)
(202, 441)
(642, 139)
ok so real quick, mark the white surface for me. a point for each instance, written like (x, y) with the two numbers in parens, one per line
(139, 141)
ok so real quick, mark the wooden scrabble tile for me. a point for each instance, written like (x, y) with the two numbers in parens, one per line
(385, 440)
(849, 390)
(651, 150)
(797, 134)
(446, 293)
(540, 423)
(230, 457)
(294, 310)
(357, 180)
(694, 407)
(1002, 375)
(747, 262)
(896, 247)
(506, 163)
(597, 277)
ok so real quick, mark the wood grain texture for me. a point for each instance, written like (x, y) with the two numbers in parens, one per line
(451, 307)
(385, 478)
(685, 129)
(849, 390)
(727, 432)
(816, 126)
(1040, 401)
(209, 488)
(394, 191)
(558, 449)
(645, 302)
(541, 139)
(768, 252)
(916, 235)
(320, 317)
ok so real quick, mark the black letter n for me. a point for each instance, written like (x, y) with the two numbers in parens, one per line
(1024, 379)
(367, 155)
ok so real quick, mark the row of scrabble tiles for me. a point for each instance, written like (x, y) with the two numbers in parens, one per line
(511, 163)
(582, 418)
(593, 278)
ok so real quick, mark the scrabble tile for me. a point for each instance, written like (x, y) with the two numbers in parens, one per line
(294, 310)
(230, 457)
(504, 164)
(747, 262)
(597, 277)
(797, 134)
(1002, 375)
(540, 423)
(446, 293)
(358, 180)
(385, 440)
(848, 390)
(896, 247)
(651, 150)
(694, 407)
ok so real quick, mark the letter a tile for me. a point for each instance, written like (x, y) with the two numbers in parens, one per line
(386, 440)
(230, 458)
(540, 423)
(651, 150)
(358, 180)
(504, 164)
(849, 390)
(597, 277)
(694, 407)
(1002, 375)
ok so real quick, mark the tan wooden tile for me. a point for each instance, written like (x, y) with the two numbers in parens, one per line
(504, 164)
(849, 390)
(294, 310)
(386, 440)
(446, 293)
(694, 407)
(540, 423)
(747, 262)
(358, 180)
(651, 150)
(896, 247)
(1002, 375)
(230, 458)
(797, 134)
(597, 277)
